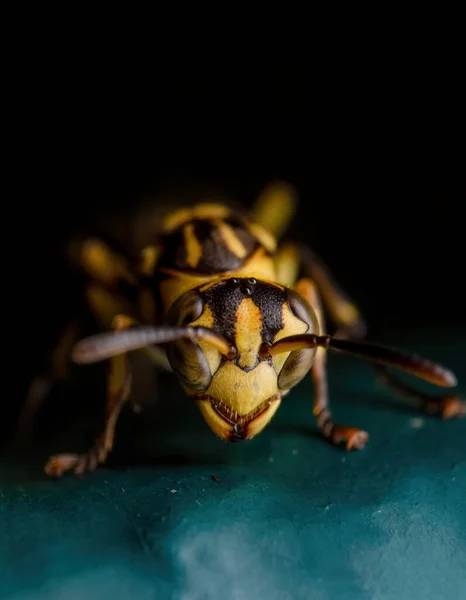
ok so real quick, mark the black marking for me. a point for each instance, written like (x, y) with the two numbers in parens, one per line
(216, 257)
(173, 254)
(238, 433)
(225, 297)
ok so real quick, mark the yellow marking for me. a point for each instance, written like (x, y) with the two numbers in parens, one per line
(149, 256)
(248, 333)
(172, 287)
(275, 207)
(207, 210)
(176, 218)
(193, 246)
(218, 425)
(258, 424)
(263, 236)
(212, 354)
(291, 326)
(258, 265)
(208, 285)
(243, 391)
(232, 241)
(206, 319)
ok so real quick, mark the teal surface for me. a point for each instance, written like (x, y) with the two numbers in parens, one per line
(287, 515)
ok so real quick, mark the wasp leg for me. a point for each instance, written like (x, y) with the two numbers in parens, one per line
(351, 325)
(41, 385)
(118, 391)
(101, 263)
(353, 437)
(448, 406)
(287, 264)
(295, 261)
(106, 305)
(104, 267)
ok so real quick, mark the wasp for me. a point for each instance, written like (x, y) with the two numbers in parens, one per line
(238, 314)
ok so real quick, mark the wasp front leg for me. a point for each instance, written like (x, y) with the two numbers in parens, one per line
(353, 437)
(107, 271)
(118, 392)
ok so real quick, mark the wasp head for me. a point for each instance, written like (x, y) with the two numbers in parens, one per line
(238, 397)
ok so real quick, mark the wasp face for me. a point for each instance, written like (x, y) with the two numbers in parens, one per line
(239, 397)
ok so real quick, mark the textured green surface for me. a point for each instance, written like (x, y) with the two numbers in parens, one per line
(291, 517)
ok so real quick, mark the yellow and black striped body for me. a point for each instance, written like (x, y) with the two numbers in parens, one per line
(214, 300)
(215, 268)
(205, 243)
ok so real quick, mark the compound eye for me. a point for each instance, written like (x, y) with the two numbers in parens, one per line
(301, 309)
(186, 309)
(186, 357)
(189, 362)
(299, 362)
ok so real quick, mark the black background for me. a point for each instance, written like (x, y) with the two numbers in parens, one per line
(379, 171)
(387, 219)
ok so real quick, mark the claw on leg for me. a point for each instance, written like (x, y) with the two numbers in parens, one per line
(78, 463)
(449, 407)
(58, 464)
(119, 387)
(355, 438)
